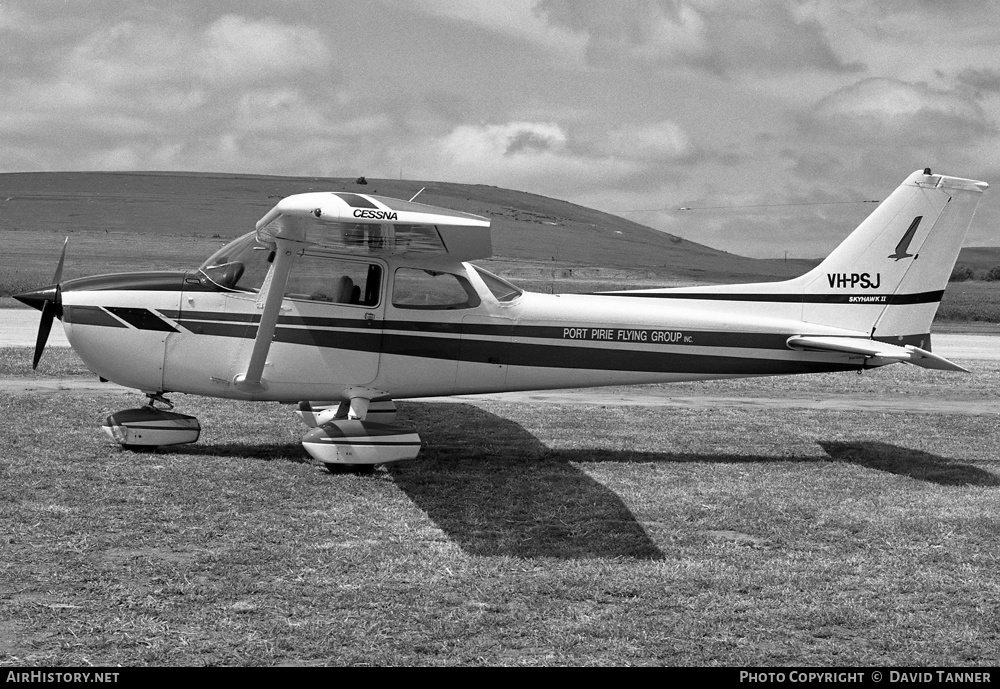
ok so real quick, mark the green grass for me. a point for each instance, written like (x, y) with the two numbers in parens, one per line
(970, 301)
(565, 534)
(55, 362)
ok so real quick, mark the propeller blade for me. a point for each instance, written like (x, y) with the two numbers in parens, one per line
(48, 300)
(44, 328)
(57, 278)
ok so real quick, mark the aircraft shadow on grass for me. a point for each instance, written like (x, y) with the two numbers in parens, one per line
(903, 461)
(286, 452)
(495, 489)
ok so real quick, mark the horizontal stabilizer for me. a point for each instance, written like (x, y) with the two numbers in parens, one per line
(858, 346)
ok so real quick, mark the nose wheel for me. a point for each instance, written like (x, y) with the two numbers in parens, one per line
(151, 426)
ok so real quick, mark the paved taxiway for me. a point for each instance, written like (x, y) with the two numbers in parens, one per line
(19, 328)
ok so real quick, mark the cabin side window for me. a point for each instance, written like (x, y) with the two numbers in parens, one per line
(319, 278)
(415, 288)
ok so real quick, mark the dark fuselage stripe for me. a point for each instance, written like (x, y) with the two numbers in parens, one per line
(503, 344)
(90, 315)
(532, 354)
(141, 319)
(768, 298)
(228, 325)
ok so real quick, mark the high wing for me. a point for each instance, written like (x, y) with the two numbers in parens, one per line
(375, 225)
(352, 223)
(858, 346)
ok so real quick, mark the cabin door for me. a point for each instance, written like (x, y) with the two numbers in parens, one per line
(484, 354)
(329, 332)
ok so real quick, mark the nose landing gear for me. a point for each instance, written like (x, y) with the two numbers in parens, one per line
(150, 426)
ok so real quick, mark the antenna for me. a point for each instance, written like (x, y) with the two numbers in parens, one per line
(418, 193)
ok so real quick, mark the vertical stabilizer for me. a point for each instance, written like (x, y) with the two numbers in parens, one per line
(888, 276)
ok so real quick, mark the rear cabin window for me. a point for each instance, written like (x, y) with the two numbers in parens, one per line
(414, 288)
(500, 288)
(319, 278)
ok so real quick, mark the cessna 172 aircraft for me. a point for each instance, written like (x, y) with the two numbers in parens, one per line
(342, 302)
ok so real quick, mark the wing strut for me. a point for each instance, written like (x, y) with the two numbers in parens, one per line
(272, 293)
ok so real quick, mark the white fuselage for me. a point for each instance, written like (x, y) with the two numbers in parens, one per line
(170, 332)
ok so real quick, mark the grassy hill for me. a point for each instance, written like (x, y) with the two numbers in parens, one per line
(122, 221)
(143, 221)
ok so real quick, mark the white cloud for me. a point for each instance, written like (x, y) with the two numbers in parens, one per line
(470, 143)
(515, 18)
(236, 49)
(11, 18)
(644, 30)
(140, 94)
(751, 36)
(649, 141)
(880, 108)
(522, 155)
(230, 52)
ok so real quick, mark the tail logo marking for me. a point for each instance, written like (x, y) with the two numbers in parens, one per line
(904, 243)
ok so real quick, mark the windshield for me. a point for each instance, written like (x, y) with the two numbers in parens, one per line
(240, 265)
(501, 289)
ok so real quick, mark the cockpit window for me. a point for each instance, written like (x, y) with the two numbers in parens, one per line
(415, 288)
(501, 289)
(318, 277)
(240, 265)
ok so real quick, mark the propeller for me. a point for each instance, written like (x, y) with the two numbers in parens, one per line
(48, 300)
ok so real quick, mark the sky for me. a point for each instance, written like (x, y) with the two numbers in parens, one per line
(776, 123)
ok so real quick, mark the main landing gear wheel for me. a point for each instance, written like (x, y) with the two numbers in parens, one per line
(357, 442)
(340, 439)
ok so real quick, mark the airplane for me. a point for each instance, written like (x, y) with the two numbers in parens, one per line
(343, 302)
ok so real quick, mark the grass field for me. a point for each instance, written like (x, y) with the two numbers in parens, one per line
(572, 534)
